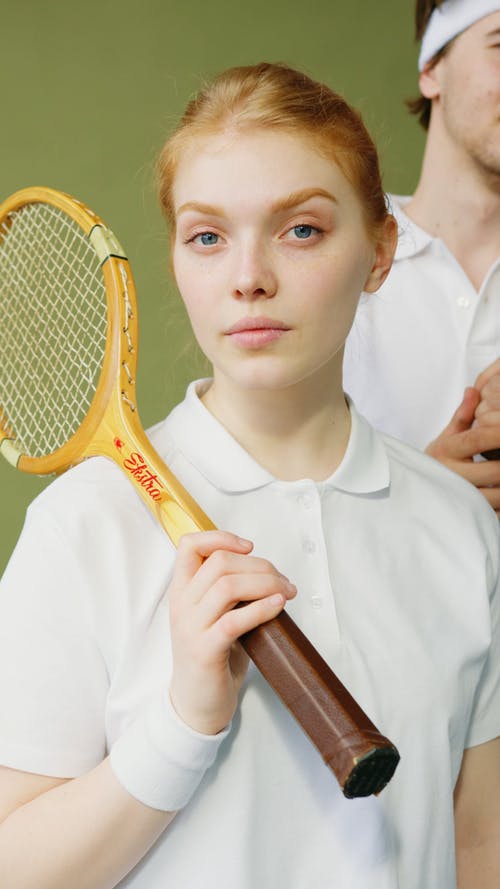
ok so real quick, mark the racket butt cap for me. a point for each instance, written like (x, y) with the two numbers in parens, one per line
(371, 772)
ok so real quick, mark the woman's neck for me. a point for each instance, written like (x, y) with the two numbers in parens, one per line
(300, 431)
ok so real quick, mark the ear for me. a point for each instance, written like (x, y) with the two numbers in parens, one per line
(429, 82)
(385, 248)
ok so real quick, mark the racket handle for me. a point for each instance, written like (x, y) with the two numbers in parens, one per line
(362, 760)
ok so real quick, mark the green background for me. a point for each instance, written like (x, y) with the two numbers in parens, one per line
(90, 90)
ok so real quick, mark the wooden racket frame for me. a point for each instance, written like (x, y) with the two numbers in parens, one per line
(111, 427)
(362, 759)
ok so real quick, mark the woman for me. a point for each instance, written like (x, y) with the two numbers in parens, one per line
(138, 746)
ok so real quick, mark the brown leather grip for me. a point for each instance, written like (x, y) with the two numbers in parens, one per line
(492, 455)
(362, 759)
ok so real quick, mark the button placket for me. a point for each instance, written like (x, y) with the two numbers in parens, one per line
(306, 500)
(309, 546)
(310, 506)
(317, 585)
(317, 601)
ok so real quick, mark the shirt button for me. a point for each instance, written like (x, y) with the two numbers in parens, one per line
(316, 601)
(463, 302)
(308, 545)
(305, 500)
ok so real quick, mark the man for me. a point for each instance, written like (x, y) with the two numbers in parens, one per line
(427, 347)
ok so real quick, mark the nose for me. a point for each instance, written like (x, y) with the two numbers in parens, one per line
(254, 276)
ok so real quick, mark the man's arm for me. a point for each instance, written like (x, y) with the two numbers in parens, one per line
(477, 818)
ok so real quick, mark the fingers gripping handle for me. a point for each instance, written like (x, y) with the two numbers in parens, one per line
(362, 759)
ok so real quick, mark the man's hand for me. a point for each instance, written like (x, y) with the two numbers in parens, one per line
(488, 409)
(472, 430)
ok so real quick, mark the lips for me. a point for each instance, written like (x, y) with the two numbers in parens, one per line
(260, 323)
(254, 333)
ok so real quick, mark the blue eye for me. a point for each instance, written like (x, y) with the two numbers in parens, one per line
(303, 231)
(208, 239)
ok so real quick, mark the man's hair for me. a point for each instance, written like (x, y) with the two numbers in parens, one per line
(423, 12)
(420, 106)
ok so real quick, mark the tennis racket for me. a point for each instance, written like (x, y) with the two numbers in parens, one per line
(68, 357)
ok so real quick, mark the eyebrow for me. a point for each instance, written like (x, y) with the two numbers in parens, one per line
(292, 200)
(494, 33)
(206, 209)
(300, 197)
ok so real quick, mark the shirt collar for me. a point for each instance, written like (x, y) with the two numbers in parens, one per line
(365, 466)
(412, 239)
(208, 446)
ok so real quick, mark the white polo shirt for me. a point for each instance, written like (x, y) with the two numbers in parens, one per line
(421, 339)
(396, 562)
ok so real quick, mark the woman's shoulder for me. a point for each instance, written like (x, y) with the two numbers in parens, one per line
(90, 550)
(94, 487)
(97, 498)
(98, 487)
(93, 507)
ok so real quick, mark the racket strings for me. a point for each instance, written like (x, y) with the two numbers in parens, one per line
(53, 321)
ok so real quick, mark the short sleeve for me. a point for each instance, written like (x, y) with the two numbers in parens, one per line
(53, 680)
(485, 719)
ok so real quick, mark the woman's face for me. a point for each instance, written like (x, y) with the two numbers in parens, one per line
(270, 256)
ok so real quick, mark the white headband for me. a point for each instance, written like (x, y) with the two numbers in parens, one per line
(449, 19)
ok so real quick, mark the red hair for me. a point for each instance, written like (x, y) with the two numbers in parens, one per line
(277, 96)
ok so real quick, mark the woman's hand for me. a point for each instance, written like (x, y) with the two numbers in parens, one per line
(213, 574)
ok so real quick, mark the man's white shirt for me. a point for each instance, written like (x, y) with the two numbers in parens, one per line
(421, 339)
